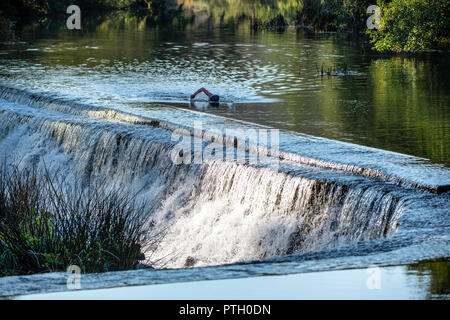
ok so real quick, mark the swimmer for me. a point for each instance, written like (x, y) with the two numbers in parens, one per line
(212, 97)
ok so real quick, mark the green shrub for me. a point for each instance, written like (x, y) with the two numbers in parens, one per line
(412, 25)
(45, 227)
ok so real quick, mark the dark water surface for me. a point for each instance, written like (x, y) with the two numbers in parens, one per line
(328, 85)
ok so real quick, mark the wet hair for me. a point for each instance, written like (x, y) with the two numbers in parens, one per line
(214, 98)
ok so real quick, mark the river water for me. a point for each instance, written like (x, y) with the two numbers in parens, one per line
(274, 78)
(362, 173)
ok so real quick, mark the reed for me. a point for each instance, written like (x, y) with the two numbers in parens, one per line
(47, 226)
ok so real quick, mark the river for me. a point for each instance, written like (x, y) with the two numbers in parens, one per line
(327, 85)
(362, 172)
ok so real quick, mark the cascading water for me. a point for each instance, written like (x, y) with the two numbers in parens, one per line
(237, 213)
(219, 211)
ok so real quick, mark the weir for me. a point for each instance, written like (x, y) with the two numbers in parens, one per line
(220, 211)
(295, 147)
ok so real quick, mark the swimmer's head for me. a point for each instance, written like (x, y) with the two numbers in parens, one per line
(214, 98)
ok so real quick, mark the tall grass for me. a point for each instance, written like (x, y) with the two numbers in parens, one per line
(47, 227)
(335, 70)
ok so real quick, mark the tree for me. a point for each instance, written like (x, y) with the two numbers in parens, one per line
(412, 25)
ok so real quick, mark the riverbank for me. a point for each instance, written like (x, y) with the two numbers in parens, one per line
(402, 26)
(18, 17)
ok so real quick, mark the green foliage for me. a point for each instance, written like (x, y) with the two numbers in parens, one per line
(412, 25)
(312, 12)
(6, 28)
(263, 13)
(320, 14)
(335, 14)
(27, 8)
(44, 227)
(406, 26)
(14, 14)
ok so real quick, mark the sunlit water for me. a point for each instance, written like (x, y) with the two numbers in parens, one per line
(327, 85)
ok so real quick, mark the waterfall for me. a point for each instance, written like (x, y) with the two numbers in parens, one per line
(239, 213)
(219, 211)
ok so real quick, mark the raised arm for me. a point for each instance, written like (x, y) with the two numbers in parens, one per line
(209, 94)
